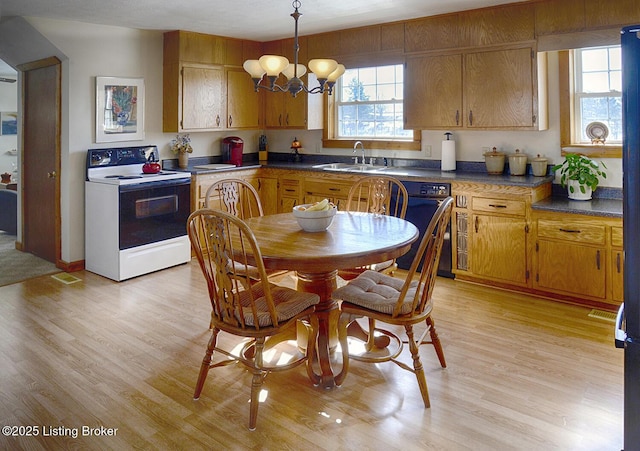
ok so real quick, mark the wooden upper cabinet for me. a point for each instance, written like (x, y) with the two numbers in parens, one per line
(243, 103)
(498, 25)
(202, 98)
(559, 16)
(432, 33)
(600, 14)
(195, 47)
(433, 92)
(500, 89)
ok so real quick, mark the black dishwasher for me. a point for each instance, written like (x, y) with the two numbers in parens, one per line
(424, 199)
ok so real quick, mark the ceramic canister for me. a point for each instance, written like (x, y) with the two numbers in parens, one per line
(518, 163)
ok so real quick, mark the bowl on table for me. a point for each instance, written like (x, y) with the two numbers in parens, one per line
(314, 220)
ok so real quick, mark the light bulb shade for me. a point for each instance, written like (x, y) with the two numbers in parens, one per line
(288, 71)
(322, 67)
(254, 68)
(273, 64)
(333, 76)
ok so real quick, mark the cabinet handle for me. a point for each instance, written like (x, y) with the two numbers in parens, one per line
(218, 120)
(286, 121)
(497, 206)
(598, 259)
(569, 230)
(457, 117)
(618, 262)
(334, 189)
(289, 190)
(476, 224)
(230, 120)
(470, 117)
(280, 119)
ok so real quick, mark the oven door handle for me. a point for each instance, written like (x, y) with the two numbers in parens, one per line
(154, 184)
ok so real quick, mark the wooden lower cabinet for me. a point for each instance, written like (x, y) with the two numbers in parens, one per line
(579, 257)
(491, 233)
(500, 248)
(617, 265)
(289, 194)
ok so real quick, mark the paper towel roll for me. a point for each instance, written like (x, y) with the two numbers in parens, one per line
(448, 155)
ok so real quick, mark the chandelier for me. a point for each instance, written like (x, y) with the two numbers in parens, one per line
(327, 71)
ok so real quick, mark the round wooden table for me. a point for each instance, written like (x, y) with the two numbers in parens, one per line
(352, 240)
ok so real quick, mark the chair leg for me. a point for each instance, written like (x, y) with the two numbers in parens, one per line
(436, 342)
(256, 384)
(206, 363)
(417, 365)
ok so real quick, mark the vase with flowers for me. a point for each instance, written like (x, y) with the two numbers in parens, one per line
(181, 146)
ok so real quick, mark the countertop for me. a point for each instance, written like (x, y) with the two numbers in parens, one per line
(608, 206)
(595, 207)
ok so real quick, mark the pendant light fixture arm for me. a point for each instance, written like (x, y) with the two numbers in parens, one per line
(327, 71)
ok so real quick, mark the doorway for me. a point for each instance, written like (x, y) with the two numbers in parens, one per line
(40, 164)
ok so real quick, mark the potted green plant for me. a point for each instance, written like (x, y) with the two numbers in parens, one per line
(580, 175)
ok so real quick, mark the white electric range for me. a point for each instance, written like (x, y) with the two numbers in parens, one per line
(135, 223)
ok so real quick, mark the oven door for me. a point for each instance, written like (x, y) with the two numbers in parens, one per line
(153, 212)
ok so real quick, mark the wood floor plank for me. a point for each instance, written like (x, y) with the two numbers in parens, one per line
(522, 373)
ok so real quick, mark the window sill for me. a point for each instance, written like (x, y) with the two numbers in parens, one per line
(594, 151)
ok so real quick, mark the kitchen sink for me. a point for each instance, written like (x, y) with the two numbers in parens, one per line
(349, 167)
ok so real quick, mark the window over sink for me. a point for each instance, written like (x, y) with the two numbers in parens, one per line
(367, 106)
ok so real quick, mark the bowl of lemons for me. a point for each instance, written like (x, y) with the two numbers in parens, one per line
(315, 217)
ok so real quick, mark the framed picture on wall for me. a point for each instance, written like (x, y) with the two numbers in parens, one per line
(8, 123)
(119, 109)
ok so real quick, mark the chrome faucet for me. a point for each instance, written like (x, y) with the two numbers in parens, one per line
(355, 149)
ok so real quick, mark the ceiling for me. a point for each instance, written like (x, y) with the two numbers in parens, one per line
(260, 20)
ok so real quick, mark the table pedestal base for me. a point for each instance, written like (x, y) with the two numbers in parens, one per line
(325, 321)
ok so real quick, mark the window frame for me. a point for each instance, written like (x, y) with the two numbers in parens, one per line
(567, 114)
(329, 134)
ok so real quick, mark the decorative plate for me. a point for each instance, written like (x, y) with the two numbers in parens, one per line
(597, 132)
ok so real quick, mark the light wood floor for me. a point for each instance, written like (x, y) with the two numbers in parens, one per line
(523, 373)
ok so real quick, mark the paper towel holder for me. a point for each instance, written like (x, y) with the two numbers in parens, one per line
(448, 135)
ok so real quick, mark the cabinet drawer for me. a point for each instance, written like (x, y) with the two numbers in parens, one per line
(290, 188)
(571, 231)
(326, 188)
(508, 207)
(616, 236)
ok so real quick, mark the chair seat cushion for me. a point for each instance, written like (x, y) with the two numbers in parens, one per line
(288, 303)
(378, 292)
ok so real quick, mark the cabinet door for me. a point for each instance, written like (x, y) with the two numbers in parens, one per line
(433, 92)
(499, 248)
(268, 191)
(499, 89)
(202, 97)
(617, 273)
(243, 104)
(274, 109)
(571, 268)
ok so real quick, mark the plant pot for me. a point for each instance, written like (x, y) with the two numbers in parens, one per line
(183, 160)
(575, 193)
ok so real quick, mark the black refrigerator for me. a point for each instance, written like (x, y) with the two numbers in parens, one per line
(630, 40)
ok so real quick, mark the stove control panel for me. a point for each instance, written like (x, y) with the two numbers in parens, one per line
(121, 156)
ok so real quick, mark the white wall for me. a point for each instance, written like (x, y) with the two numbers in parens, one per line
(96, 50)
(8, 103)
